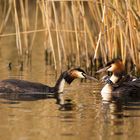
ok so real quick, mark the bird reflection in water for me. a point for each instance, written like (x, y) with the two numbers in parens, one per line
(113, 118)
(114, 109)
(64, 104)
(67, 106)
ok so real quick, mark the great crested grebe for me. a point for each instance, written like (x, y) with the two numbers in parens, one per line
(119, 84)
(26, 87)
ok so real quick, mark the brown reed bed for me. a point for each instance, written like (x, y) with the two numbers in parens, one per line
(76, 33)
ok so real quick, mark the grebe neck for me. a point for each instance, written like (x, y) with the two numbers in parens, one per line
(117, 76)
(114, 78)
(107, 90)
(60, 83)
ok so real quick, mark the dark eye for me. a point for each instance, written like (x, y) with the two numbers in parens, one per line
(110, 66)
(83, 74)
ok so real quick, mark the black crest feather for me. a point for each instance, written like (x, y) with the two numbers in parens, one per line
(113, 61)
(68, 76)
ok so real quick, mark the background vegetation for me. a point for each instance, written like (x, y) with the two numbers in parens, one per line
(75, 33)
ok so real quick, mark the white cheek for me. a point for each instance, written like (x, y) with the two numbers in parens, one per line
(80, 75)
(112, 68)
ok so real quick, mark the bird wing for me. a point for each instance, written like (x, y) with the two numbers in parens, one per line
(21, 86)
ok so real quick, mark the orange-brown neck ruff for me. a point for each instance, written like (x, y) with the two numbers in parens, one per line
(116, 66)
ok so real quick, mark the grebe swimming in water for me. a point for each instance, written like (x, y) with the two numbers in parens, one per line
(119, 84)
(21, 86)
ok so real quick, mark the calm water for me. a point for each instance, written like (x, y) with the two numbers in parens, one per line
(84, 116)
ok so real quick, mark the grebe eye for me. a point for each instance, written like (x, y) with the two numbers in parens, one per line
(83, 74)
(109, 66)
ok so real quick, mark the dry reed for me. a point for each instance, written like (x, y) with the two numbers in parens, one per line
(77, 32)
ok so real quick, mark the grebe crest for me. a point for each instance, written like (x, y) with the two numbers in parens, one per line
(68, 77)
(116, 66)
(72, 74)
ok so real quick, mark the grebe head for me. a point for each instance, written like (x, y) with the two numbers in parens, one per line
(68, 76)
(115, 66)
(74, 73)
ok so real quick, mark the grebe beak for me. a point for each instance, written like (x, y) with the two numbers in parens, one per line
(103, 69)
(89, 77)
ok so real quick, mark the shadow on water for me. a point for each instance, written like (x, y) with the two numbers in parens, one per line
(14, 98)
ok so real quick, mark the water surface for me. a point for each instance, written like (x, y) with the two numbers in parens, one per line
(84, 115)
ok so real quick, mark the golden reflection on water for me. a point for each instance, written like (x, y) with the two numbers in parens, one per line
(88, 118)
